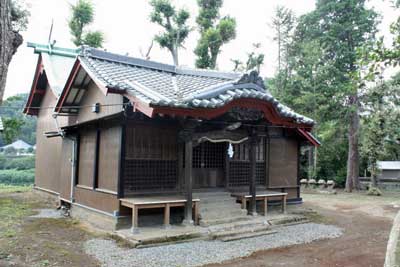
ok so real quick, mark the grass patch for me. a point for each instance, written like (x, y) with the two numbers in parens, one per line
(4, 188)
(11, 213)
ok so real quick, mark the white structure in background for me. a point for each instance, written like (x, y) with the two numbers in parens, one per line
(21, 147)
(389, 169)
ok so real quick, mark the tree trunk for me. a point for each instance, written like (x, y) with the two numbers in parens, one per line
(10, 40)
(174, 53)
(374, 178)
(353, 155)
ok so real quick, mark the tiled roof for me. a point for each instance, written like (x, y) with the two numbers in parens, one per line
(165, 85)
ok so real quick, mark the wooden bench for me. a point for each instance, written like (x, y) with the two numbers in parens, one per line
(152, 202)
(243, 197)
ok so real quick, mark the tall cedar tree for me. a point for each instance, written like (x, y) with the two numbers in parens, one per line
(82, 16)
(214, 33)
(14, 18)
(331, 36)
(175, 26)
(283, 24)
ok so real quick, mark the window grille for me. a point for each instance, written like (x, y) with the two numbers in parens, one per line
(209, 155)
(239, 165)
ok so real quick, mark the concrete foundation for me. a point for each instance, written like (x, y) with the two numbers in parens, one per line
(99, 219)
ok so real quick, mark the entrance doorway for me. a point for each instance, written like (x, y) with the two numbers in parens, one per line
(209, 161)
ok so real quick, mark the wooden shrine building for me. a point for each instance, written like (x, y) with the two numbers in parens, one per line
(113, 128)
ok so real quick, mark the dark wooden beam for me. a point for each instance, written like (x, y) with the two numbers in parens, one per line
(121, 160)
(252, 189)
(298, 168)
(180, 166)
(267, 159)
(96, 160)
(188, 180)
(226, 166)
(78, 148)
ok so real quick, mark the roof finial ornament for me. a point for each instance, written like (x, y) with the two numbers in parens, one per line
(51, 44)
(51, 31)
(252, 77)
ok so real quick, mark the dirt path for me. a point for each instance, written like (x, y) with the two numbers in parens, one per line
(26, 241)
(367, 225)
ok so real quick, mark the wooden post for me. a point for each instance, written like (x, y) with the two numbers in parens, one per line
(244, 202)
(265, 206)
(196, 213)
(96, 159)
(121, 159)
(284, 199)
(180, 168)
(252, 189)
(135, 214)
(188, 181)
(167, 213)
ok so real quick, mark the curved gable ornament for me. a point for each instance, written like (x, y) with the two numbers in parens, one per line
(252, 77)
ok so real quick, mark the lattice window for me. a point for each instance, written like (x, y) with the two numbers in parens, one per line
(151, 158)
(239, 172)
(146, 175)
(209, 155)
(241, 151)
(239, 165)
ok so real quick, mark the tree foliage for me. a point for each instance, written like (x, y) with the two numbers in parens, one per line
(174, 24)
(19, 15)
(214, 32)
(255, 59)
(82, 15)
(322, 69)
(12, 127)
(283, 24)
(14, 18)
(381, 120)
(12, 110)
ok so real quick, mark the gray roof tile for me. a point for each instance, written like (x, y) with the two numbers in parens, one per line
(165, 85)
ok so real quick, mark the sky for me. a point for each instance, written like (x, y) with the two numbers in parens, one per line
(128, 30)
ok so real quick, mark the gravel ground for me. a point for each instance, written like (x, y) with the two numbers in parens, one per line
(198, 253)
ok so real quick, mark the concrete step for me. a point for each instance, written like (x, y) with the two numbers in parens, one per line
(246, 235)
(219, 206)
(251, 222)
(215, 221)
(215, 214)
(238, 231)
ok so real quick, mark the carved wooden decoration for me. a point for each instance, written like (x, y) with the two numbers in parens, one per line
(245, 114)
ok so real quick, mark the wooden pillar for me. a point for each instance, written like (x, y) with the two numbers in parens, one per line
(167, 215)
(252, 189)
(121, 159)
(226, 166)
(188, 181)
